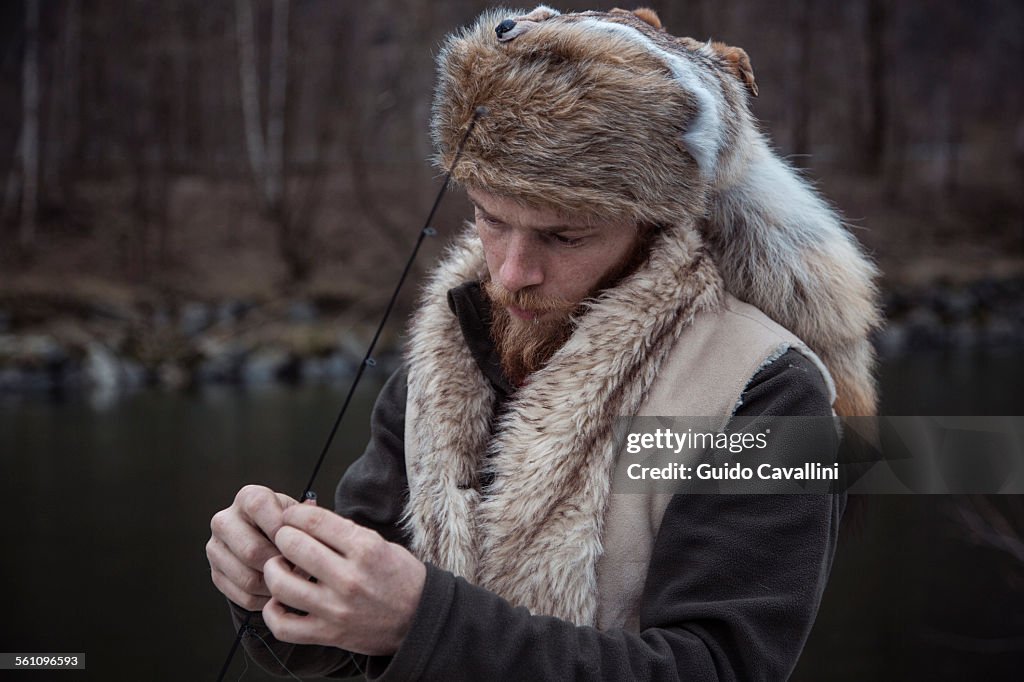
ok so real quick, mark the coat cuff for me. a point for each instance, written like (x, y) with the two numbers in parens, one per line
(410, 661)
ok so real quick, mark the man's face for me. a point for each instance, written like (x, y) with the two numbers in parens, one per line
(541, 266)
(544, 254)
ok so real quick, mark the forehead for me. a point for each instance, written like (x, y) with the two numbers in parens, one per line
(513, 210)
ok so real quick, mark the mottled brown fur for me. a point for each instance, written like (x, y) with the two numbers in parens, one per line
(605, 114)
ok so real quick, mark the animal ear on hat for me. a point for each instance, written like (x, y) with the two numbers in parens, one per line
(648, 15)
(644, 14)
(739, 64)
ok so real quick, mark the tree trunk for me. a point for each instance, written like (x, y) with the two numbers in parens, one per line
(249, 79)
(801, 98)
(30, 127)
(874, 147)
(276, 99)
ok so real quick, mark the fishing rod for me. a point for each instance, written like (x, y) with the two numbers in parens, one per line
(368, 360)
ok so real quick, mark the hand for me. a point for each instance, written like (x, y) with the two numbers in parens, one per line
(367, 589)
(239, 544)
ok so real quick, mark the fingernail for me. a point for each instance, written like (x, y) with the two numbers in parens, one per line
(310, 497)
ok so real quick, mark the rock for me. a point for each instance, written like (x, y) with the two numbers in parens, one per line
(31, 351)
(25, 380)
(194, 318)
(302, 311)
(230, 312)
(220, 362)
(326, 369)
(161, 319)
(264, 365)
(102, 370)
(172, 375)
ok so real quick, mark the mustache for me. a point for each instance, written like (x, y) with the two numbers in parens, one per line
(526, 300)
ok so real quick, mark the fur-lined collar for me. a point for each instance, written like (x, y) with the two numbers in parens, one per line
(535, 534)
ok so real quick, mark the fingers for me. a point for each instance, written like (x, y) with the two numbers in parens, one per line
(285, 500)
(249, 602)
(290, 588)
(336, 532)
(291, 627)
(248, 580)
(241, 544)
(248, 526)
(242, 538)
(263, 507)
(308, 553)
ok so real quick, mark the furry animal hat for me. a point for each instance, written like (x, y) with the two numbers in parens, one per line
(606, 115)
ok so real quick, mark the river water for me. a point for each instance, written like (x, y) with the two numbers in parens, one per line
(107, 501)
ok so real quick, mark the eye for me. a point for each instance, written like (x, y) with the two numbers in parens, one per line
(487, 220)
(566, 241)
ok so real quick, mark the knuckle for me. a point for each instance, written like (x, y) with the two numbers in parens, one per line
(363, 551)
(250, 493)
(256, 503)
(218, 523)
(243, 493)
(250, 553)
(287, 541)
(252, 582)
(340, 612)
(314, 522)
(211, 551)
(377, 550)
(347, 588)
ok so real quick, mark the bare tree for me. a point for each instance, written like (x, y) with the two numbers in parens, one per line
(62, 135)
(25, 171)
(277, 91)
(803, 90)
(249, 77)
(874, 36)
(267, 153)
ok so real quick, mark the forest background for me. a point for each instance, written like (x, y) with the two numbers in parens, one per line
(225, 191)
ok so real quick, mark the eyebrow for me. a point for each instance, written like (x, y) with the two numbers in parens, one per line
(550, 229)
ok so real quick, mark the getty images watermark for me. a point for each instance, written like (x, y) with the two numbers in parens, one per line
(868, 455)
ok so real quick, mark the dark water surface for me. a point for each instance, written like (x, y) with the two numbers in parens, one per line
(106, 508)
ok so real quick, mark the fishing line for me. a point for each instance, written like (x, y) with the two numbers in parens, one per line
(252, 631)
(368, 360)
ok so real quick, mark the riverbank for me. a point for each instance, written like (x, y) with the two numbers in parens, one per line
(54, 341)
(57, 341)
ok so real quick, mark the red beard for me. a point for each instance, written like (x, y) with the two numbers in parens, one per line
(525, 346)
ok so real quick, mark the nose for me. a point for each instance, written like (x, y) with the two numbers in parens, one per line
(504, 27)
(521, 266)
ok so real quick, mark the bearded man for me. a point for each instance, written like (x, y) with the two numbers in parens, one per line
(624, 202)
